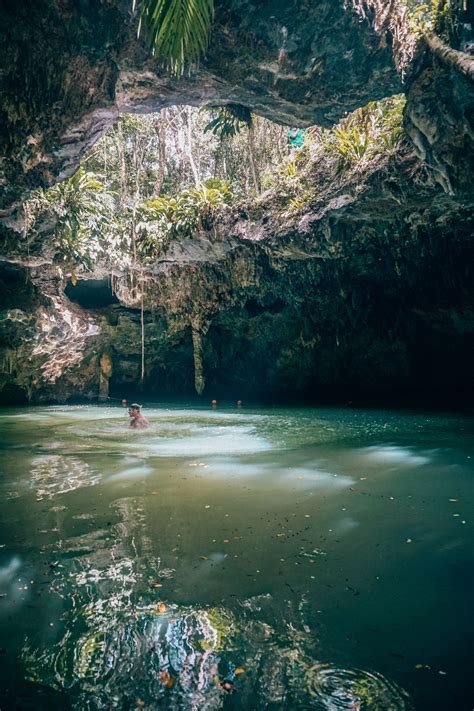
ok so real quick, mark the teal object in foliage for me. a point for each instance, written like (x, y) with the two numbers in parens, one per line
(296, 137)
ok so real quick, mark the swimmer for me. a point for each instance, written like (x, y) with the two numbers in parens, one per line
(137, 420)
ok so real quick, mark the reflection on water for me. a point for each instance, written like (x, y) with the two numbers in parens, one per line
(293, 559)
(116, 645)
(53, 474)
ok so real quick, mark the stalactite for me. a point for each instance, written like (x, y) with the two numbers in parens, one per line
(105, 372)
(199, 329)
(199, 380)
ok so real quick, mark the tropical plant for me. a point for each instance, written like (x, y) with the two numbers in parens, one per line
(289, 168)
(229, 121)
(352, 141)
(165, 218)
(75, 202)
(178, 30)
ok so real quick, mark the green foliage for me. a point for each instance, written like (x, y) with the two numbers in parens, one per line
(108, 214)
(289, 168)
(443, 17)
(85, 211)
(178, 30)
(229, 121)
(165, 218)
(374, 129)
(298, 204)
(352, 141)
(447, 22)
(74, 201)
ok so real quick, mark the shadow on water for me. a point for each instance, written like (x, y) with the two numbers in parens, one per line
(297, 559)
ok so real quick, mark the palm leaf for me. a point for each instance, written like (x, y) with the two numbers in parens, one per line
(178, 30)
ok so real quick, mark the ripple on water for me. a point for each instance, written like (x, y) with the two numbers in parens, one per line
(338, 689)
(200, 445)
(398, 456)
(54, 474)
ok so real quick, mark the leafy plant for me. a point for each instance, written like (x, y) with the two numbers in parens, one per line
(229, 121)
(289, 169)
(74, 201)
(165, 218)
(352, 141)
(178, 30)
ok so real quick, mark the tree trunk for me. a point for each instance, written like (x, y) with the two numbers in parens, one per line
(253, 165)
(160, 128)
(121, 159)
(189, 147)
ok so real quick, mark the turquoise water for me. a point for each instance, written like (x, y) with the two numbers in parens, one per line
(240, 559)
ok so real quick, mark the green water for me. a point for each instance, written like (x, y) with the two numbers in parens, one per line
(264, 559)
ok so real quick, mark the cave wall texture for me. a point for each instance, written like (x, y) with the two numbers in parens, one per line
(366, 295)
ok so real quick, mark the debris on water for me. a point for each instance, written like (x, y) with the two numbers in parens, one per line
(162, 607)
(239, 670)
(203, 557)
(166, 679)
(139, 702)
(443, 673)
(408, 540)
(422, 666)
(156, 585)
(207, 506)
(227, 686)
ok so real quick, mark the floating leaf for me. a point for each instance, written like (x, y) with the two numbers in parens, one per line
(239, 670)
(166, 679)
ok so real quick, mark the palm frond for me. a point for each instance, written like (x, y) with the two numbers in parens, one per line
(178, 30)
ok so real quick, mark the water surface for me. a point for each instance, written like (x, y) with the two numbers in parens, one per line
(240, 559)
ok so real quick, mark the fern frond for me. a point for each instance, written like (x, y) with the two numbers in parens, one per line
(178, 30)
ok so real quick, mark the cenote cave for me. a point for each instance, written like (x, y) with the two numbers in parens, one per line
(251, 221)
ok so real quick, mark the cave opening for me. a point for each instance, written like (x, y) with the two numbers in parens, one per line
(91, 293)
